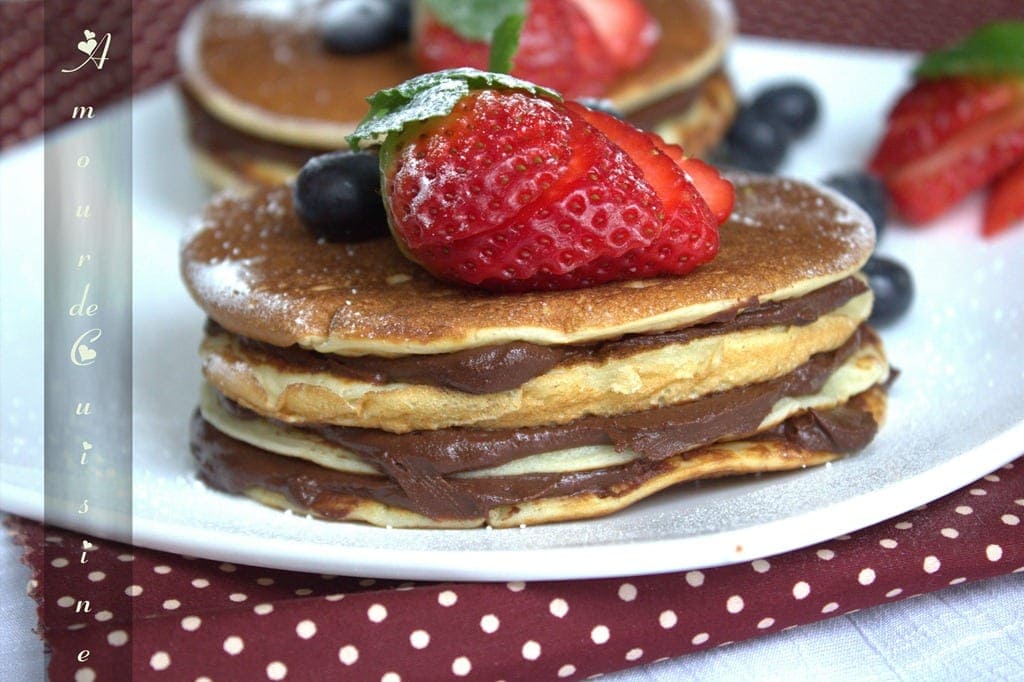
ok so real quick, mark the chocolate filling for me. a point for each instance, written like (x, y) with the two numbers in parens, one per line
(418, 464)
(492, 369)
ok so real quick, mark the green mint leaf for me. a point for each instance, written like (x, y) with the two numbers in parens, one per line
(993, 50)
(428, 95)
(504, 43)
(474, 19)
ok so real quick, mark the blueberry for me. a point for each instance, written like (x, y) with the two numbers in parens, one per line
(793, 105)
(402, 22)
(337, 197)
(893, 287)
(755, 143)
(867, 191)
(356, 26)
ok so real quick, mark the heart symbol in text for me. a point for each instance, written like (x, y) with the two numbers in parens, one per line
(85, 353)
(89, 44)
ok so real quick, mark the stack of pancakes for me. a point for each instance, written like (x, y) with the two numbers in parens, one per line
(263, 95)
(345, 382)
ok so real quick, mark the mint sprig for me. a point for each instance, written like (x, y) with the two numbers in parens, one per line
(475, 19)
(996, 49)
(429, 95)
(505, 43)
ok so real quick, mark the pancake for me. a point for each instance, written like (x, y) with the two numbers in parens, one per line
(346, 383)
(251, 266)
(306, 488)
(663, 375)
(262, 95)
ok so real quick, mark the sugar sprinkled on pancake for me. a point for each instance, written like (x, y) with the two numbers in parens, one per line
(256, 270)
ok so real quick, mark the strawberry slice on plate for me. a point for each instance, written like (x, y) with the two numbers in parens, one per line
(934, 111)
(1005, 203)
(959, 126)
(928, 186)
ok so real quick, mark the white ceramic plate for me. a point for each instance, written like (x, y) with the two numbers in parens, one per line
(956, 413)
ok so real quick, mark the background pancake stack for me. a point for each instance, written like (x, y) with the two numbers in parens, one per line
(345, 382)
(263, 94)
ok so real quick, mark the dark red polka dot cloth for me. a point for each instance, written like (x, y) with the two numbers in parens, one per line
(191, 619)
(110, 611)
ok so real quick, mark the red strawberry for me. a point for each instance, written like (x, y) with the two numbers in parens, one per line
(515, 192)
(926, 187)
(626, 28)
(565, 44)
(1005, 204)
(438, 47)
(716, 190)
(932, 112)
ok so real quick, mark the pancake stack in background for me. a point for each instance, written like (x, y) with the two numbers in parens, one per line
(345, 382)
(263, 93)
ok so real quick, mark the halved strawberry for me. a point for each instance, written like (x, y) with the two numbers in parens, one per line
(558, 48)
(929, 185)
(512, 190)
(1005, 203)
(935, 111)
(626, 28)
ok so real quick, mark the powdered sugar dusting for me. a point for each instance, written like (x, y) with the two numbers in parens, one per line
(806, 217)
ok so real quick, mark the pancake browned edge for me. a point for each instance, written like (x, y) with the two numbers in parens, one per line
(262, 95)
(344, 382)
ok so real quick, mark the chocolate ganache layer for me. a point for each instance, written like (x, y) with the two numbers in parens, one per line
(496, 368)
(418, 465)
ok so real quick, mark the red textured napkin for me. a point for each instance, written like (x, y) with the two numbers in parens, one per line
(191, 619)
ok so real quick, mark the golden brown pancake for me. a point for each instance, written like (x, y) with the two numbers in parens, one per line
(646, 378)
(253, 267)
(262, 94)
(345, 382)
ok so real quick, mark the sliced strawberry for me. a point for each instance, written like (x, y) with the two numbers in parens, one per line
(601, 209)
(926, 187)
(716, 190)
(558, 48)
(934, 111)
(626, 28)
(515, 192)
(1005, 204)
(660, 171)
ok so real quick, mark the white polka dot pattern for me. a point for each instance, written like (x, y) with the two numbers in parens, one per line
(243, 622)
